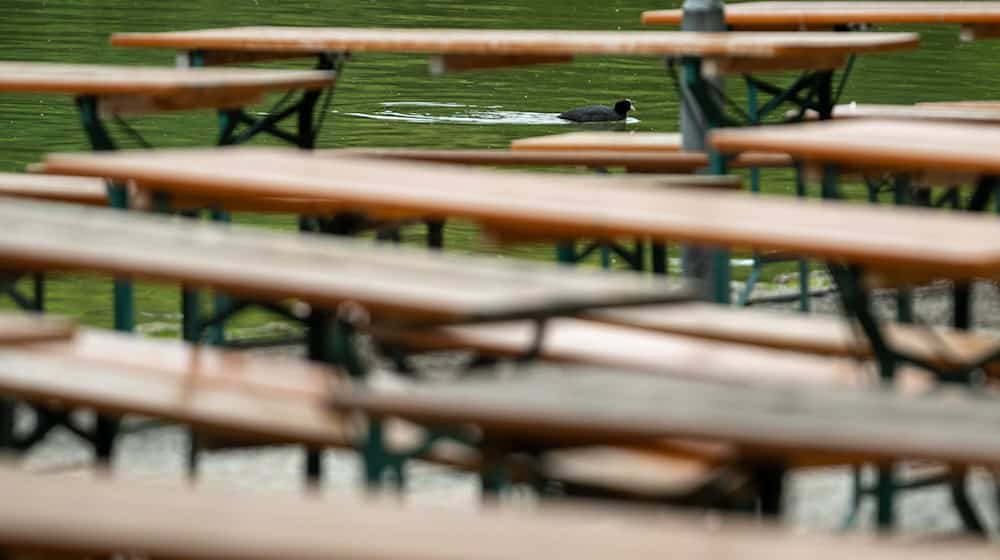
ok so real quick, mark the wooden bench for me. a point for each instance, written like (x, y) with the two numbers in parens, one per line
(206, 523)
(977, 20)
(461, 49)
(631, 341)
(638, 146)
(637, 162)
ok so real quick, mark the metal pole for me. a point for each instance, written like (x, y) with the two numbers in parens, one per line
(698, 263)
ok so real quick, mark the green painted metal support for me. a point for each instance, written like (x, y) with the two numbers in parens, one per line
(904, 296)
(100, 140)
(566, 252)
(885, 493)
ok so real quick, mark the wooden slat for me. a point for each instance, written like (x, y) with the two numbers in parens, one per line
(24, 327)
(90, 191)
(964, 105)
(222, 392)
(203, 524)
(163, 83)
(602, 141)
(939, 111)
(586, 342)
(638, 162)
(810, 15)
(463, 62)
(394, 284)
(876, 144)
(558, 206)
(517, 42)
(577, 405)
(635, 147)
(825, 335)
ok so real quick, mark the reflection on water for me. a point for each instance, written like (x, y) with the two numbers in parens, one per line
(470, 114)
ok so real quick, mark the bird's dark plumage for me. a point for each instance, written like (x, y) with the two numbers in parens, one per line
(599, 113)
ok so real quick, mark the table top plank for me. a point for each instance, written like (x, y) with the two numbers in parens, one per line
(209, 523)
(784, 14)
(100, 79)
(557, 206)
(393, 283)
(517, 42)
(573, 403)
(876, 144)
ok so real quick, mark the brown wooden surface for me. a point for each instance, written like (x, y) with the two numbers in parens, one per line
(393, 283)
(519, 42)
(259, 398)
(819, 334)
(603, 141)
(977, 105)
(94, 79)
(556, 206)
(77, 190)
(586, 342)
(676, 162)
(208, 523)
(810, 15)
(875, 144)
(26, 327)
(981, 113)
(636, 147)
(574, 404)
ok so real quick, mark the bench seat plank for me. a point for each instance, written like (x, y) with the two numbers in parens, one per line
(951, 111)
(587, 342)
(672, 169)
(23, 327)
(815, 334)
(203, 524)
(578, 405)
(392, 283)
(223, 392)
(552, 206)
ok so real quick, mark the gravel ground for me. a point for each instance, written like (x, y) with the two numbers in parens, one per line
(816, 500)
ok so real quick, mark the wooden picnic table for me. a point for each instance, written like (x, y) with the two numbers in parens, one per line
(392, 283)
(977, 19)
(479, 48)
(549, 206)
(202, 523)
(128, 89)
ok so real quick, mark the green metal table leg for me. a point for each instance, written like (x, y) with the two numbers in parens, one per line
(904, 296)
(885, 492)
(566, 252)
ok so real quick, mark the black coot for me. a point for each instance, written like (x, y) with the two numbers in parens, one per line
(599, 113)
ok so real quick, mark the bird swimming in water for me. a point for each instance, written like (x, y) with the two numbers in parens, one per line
(599, 113)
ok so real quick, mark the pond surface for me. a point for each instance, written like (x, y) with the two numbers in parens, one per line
(391, 100)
